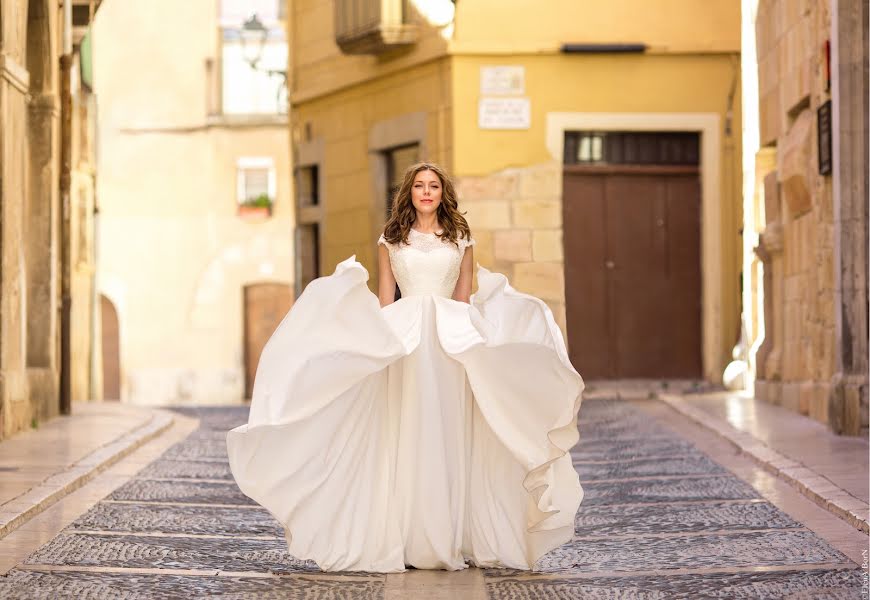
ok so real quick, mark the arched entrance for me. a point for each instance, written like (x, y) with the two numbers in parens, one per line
(111, 354)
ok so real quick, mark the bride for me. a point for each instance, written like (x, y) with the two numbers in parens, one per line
(430, 432)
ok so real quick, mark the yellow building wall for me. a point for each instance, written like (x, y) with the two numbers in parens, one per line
(343, 121)
(318, 65)
(531, 25)
(592, 83)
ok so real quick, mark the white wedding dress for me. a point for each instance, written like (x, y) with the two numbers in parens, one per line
(428, 433)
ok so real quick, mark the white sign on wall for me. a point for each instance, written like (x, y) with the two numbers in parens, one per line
(504, 113)
(504, 80)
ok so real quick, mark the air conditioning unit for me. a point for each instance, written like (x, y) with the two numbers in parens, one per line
(373, 26)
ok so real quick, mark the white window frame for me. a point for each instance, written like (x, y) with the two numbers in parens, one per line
(255, 162)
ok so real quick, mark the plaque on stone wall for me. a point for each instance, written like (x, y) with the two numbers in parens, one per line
(823, 115)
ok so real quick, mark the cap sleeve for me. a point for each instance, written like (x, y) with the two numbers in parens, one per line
(467, 242)
(382, 240)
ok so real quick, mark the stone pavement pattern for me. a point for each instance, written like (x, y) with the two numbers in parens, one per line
(660, 519)
(41, 466)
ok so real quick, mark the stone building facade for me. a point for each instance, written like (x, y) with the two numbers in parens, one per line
(46, 211)
(811, 208)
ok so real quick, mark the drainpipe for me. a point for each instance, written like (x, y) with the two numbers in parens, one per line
(65, 237)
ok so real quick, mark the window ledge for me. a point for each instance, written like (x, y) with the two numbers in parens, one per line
(252, 120)
(254, 214)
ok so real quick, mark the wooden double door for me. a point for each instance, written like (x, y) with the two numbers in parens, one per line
(633, 270)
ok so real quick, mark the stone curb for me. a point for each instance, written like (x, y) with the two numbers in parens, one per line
(19, 510)
(812, 485)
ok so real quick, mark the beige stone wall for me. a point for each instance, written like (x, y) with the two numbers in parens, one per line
(32, 229)
(516, 218)
(800, 358)
(82, 247)
(173, 255)
(799, 206)
(16, 411)
(852, 214)
(320, 68)
(29, 124)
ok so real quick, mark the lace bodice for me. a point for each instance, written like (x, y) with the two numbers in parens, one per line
(426, 264)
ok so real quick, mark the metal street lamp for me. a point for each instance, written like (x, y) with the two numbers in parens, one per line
(253, 35)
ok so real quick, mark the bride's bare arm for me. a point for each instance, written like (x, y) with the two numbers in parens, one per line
(462, 292)
(386, 280)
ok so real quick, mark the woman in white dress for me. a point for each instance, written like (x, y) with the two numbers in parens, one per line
(430, 432)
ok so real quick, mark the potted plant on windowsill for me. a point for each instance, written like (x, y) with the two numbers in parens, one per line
(256, 208)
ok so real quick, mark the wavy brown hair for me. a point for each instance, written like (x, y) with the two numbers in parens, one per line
(404, 214)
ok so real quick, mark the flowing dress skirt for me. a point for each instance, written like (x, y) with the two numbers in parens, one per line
(429, 433)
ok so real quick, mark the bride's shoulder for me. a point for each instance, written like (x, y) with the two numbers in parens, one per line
(466, 240)
(383, 241)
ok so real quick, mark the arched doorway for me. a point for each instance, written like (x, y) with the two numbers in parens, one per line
(111, 354)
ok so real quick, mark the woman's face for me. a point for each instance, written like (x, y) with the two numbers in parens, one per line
(426, 192)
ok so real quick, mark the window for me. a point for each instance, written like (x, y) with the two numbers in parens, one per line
(308, 218)
(307, 193)
(398, 161)
(308, 254)
(246, 89)
(632, 148)
(255, 182)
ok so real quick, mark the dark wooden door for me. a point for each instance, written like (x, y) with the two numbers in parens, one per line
(633, 270)
(266, 304)
(111, 353)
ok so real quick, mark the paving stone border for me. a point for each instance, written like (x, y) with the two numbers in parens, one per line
(19, 510)
(735, 550)
(840, 584)
(50, 585)
(817, 488)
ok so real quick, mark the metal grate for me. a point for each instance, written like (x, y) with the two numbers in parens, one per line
(632, 148)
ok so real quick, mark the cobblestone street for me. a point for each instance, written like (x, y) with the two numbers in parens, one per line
(668, 513)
